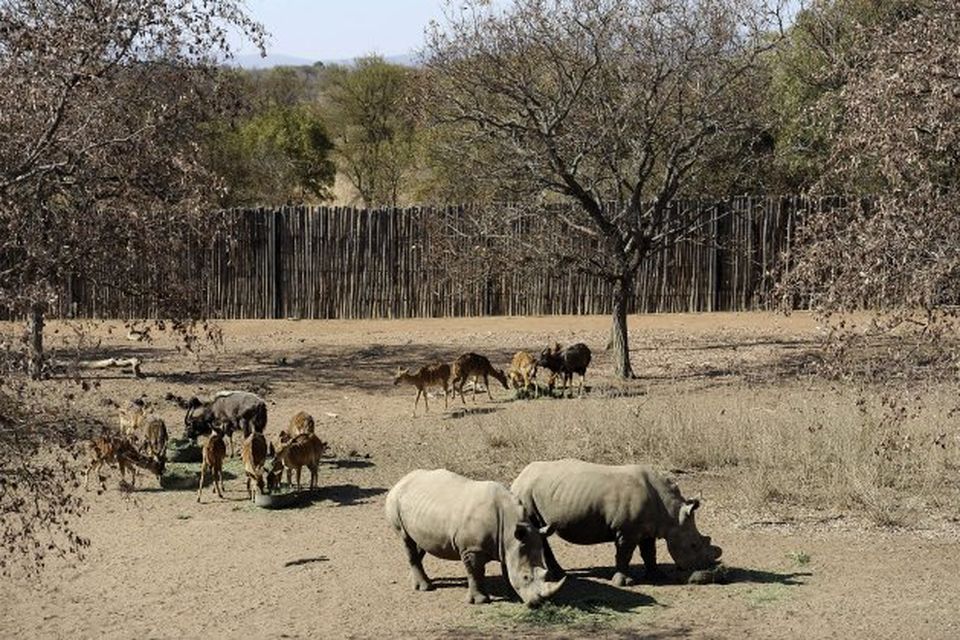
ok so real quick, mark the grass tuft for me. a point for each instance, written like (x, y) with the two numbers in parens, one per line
(553, 615)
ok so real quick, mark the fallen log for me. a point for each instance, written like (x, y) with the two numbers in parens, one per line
(124, 364)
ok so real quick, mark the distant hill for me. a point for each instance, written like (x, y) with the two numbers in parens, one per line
(254, 61)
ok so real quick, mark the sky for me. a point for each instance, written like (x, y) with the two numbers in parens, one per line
(343, 29)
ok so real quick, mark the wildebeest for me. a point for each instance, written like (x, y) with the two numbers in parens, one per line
(566, 362)
(229, 410)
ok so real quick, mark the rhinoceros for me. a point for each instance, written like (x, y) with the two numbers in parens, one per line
(455, 518)
(628, 505)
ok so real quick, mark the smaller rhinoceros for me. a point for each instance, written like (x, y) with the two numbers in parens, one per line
(628, 505)
(455, 518)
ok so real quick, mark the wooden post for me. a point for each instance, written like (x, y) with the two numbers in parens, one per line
(277, 220)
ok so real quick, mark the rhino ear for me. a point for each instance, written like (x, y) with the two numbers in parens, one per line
(521, 532)
(687, 510)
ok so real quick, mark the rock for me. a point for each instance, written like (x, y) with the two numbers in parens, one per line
(716, 575)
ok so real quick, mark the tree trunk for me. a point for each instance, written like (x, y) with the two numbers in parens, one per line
(622, 293)
(35, 365)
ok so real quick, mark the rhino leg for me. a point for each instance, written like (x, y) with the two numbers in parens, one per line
(648, 551)
(475, 574)
(554, 570)
(625, 548)
(415, 557)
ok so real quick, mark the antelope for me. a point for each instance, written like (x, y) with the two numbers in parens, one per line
(155, 437)
(302, 422)
(523, 369)
(214, 451)
(132, 416)
(112, 449)
(431, 375)
(473, 364)
(254, 455)
(304, 450)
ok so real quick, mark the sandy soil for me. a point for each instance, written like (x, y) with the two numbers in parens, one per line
(163, 566)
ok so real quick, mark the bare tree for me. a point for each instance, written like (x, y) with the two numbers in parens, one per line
(100, 166)
(102, 177)
(613, 105)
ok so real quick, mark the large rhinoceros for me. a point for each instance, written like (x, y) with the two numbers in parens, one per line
(628, 505)
(455, 518)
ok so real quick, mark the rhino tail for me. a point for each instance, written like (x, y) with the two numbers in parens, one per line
(392, 509)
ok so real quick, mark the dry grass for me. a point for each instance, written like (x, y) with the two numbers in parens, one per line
(781, 446)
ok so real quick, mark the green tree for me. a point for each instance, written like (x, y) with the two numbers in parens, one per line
(274, 157)
(373, 125)
(807, 74)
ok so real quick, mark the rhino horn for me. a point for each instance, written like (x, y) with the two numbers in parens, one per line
(550, 589)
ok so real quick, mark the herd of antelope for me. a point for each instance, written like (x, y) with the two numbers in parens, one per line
(562, 363)
(141, 441)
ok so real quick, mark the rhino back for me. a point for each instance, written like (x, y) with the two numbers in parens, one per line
(447, 514)
(590, 503)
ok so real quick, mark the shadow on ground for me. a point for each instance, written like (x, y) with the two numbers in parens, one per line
(348, 463)
(740, 575)
(587, 596)
(673, 576)
(592, 596)
(372, 368)
(302, 561)
(456, 414)
(344, 495)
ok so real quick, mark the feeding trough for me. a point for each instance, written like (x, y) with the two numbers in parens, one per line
(281, 499)
(183, 450)
(181, 476)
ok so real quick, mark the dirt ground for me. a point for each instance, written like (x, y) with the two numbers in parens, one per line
(163, 566)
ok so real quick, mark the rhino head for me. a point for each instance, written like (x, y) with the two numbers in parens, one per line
(689, 549)
(525, 567)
